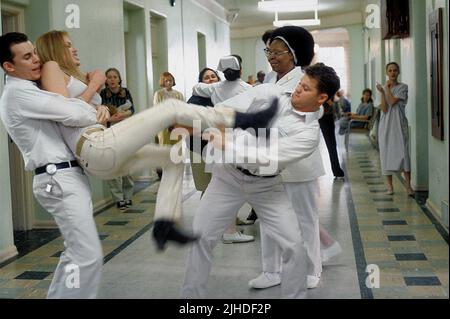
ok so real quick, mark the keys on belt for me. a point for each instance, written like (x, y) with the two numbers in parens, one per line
(51, 169)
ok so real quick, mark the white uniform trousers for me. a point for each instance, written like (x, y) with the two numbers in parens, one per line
(228, 191)
(303, 197)
(127, 148)
(169, 197)
(78, 273)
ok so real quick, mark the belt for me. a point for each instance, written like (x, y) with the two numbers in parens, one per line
(248, 173)
(84, 139)
(52, 168)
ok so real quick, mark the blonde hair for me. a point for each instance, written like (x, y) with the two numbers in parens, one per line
(51, 47)
(164, 76)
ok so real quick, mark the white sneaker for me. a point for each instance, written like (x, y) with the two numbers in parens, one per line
(330, 252)
(312, 281)
(237, 237)
(265, 280)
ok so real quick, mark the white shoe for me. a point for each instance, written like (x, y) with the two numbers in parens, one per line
(330, 252)
(312, 281)
(265, 280)
(237, 237)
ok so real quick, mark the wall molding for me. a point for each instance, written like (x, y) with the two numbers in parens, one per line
(436, 211)
(8, 253)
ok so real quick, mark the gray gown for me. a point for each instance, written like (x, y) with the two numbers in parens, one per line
(393, 136)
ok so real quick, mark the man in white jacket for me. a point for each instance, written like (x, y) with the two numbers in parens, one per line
(234, 184)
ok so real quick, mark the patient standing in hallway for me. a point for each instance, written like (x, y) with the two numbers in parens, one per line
(393, 136)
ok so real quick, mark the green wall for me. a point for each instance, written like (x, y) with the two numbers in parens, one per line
(438, 159)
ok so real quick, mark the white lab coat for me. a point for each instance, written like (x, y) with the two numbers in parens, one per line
(230, 189)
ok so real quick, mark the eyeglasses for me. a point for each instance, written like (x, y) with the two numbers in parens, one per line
(274, 53)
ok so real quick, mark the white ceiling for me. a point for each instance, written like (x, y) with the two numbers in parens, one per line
(249, 15)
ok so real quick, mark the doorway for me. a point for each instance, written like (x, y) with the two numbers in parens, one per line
(135, 55)
(22, 200)
(160, 63)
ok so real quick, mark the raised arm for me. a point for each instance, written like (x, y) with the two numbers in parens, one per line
(205, 90)
(96, 81)
(53, 79)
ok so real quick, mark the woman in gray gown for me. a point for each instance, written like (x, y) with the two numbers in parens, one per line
(393, 137)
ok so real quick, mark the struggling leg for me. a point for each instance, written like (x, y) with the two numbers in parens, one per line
(168, 200)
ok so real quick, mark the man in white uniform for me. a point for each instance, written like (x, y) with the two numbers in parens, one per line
(233, 185)
(30, 116)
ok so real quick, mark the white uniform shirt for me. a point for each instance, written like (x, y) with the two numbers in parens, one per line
(299, 132)
(221, 91)
(30, 116)
(71, 135)
(308, 168)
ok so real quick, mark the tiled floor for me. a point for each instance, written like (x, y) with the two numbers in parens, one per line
(390, 235)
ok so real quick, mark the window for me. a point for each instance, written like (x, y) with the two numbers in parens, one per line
(335, 57)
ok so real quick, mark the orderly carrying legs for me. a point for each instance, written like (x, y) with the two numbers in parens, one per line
(78, 272)
(228, 191)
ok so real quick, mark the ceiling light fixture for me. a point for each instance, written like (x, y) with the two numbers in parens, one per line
(288, 5)
(300, 23)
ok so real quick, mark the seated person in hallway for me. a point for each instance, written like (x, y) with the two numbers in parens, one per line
(342, 104)
(234, 184)
(120, 104)
(364, 112)
(125, 148)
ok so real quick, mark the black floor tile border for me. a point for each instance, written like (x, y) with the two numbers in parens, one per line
(421, 201)
(33, 275)
(55, 233)
(360, 257)
(395, 223)
(127, 243)
(411, 257)
(401, 238)
(422, 281)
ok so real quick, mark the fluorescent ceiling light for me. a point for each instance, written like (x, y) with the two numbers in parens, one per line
(299, 23)
(288, 5)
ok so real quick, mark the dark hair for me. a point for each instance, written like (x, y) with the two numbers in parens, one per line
(118, 73)
(367, 91)
(299, 40)
(202, 73)
(6, 42)
(233, 75)
(328, 80)
(266, 36)
(393, 63)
